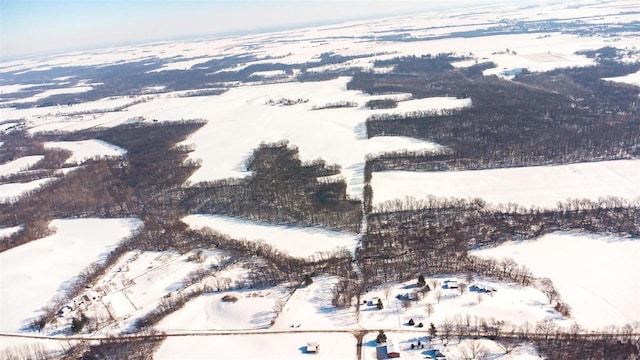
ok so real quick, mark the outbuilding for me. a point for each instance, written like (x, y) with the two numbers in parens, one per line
(313, 348)
(393, 350)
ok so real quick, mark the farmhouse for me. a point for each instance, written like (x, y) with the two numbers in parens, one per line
(313, 348)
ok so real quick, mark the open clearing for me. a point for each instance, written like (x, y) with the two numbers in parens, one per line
(86, 149)
(297, 241)
(594, 274)
(33, 273)
(535, 186)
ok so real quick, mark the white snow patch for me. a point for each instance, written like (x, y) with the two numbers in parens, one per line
(259, 346)
(12, 191)
(297, 241)
(541, 186)
(633, 78)
(47, 93)
(270, 73)
(6, 232)
(20, 164)
(86, 149)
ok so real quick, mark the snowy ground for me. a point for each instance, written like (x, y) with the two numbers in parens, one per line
(33, 273)
(633, 79)
(310, 313)
(594, 274)
(297, 241)
(335, 135)
(47, 93)
(6, 232)
(265, 346)
(18, 165)
(86, 149)
(12, 191)
(538, 186)
(253, 310)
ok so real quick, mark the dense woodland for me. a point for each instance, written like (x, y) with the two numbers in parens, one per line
(281, 190)
(432, 236)
(559, 117)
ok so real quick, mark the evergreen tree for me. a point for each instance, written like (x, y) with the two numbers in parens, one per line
(432, 330)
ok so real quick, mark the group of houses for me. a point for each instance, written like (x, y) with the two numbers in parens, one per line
(391, 350)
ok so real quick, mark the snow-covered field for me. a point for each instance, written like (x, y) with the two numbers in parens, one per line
(253, 310)
(6, 232)
(597, 276)
(47, 93)
(12, 191)
(296, 241)
(264, 346)
(33, 273)
(86, 149)
(536, 186)
(633, 78)
(20, 164)
(245, 115)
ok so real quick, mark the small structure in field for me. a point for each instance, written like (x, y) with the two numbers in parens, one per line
(452, 284)
(313, 348)
(435, 354)
(485, 287)
(381, 352)
(388, 350)
(393, 350)
(373, 301)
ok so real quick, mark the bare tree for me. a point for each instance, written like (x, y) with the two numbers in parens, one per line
(438, 295)
(428, 309)
(434, 284)
(473, 350)
(547, 287)
(545, 328)
(462, 288)
(279, 306)
(34, 351)
(406, 304)
(386, 291)
(447, 328)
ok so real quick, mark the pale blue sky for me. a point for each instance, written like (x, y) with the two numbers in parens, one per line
(42, 26)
